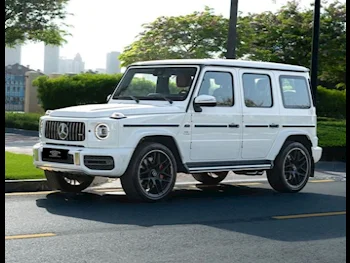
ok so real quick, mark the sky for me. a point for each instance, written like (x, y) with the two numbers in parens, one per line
(102, 26)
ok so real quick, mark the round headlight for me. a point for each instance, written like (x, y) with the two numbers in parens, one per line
(102, 131)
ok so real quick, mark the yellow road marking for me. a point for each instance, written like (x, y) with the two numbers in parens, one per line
(30, 236)
(31, 193)
(321, 181)
(310, 215)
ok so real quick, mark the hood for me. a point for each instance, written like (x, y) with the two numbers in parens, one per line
(105, 110)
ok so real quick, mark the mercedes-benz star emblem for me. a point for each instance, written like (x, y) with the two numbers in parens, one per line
(62, 131)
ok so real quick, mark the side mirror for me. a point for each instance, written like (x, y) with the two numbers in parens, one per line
(203, 101)
(108, 97)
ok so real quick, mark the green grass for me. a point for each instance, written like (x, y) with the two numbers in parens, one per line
(20, 166)
(331, 132)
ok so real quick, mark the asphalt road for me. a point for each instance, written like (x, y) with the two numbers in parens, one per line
(227, 223)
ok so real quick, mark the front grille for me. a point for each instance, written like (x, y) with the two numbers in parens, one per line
(73, 131)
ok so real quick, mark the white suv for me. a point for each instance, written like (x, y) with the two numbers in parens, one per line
(200, 117)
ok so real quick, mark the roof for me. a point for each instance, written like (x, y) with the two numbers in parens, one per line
(225, 63)
(17, 69)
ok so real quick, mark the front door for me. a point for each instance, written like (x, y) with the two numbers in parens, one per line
(216, 132)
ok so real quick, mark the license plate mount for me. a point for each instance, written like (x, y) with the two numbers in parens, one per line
(55, 154)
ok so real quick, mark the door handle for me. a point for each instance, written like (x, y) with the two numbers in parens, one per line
(233, 125)
(273, 125)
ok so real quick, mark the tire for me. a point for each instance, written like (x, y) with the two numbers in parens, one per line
(64, 181)
(292, 168)
(210, 178)
(146, 179)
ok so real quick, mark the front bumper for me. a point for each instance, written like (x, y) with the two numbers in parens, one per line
(316, 153)
(121, 158)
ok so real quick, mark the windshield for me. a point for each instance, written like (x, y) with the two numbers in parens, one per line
(157, 83)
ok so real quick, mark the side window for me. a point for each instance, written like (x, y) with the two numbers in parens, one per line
(257, 90)
(295, 92)
(219, 85)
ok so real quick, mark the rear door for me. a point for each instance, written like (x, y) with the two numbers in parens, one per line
(261, 119)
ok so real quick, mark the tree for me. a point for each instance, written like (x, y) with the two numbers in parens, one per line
(197, 35)
(286, 37)
(35, 20)
(332, 55)
(283, 37)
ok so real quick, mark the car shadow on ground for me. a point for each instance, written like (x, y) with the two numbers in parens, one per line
(247, 210)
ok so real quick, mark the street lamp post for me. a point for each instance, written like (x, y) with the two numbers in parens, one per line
(232, 31)
(315, 46)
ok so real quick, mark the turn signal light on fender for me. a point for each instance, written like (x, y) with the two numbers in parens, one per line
(117, 116)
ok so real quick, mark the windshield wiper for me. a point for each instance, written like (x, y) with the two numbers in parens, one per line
(129, 96)
(134, 98)
(162, 96)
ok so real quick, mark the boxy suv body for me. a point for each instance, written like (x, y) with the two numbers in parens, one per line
(200, 117)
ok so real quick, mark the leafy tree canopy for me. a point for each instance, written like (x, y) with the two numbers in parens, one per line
(284, 36)
(197, 35)
(35, 20)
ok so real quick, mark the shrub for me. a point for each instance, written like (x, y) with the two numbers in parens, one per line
(331, 102)
(26, 121)
(65, 91)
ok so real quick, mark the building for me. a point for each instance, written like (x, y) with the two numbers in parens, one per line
(69, 66)
(51, 59)
(12, 55)
(113, 63)
(15, 86)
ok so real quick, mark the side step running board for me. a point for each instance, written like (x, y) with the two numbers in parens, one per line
(250, 167)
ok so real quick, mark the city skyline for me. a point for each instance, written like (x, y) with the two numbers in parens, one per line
(116, 29)
(56, 64)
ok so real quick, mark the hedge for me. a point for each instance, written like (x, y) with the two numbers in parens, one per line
(65, 90)
(331, 103)
(25, 121)
(81, 89)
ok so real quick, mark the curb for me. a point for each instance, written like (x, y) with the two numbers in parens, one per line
(12, 186)
(37, 185)
(15, 186)
(22, 132)
(34, 185)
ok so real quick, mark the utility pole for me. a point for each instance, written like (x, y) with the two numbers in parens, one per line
(315, 46)
(232, 31)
